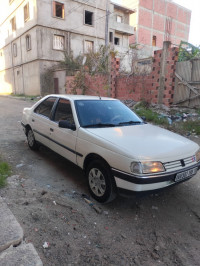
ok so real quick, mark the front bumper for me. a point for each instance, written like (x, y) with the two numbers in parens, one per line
(135, 183)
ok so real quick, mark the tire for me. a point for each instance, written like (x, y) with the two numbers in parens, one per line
(32, 143)
(100, 182)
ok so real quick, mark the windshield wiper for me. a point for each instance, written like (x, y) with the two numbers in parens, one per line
(99, 125)
(131, 123)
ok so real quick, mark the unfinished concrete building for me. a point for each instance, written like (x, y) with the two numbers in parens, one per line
(35, 33)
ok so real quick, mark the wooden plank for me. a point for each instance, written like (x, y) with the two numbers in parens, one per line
(186, 84)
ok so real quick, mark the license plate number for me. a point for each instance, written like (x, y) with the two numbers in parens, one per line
(186, 174)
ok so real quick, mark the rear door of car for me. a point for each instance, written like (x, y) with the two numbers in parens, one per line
(40, 120)
(63, 140)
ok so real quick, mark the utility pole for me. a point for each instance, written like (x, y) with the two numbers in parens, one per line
(107, 22)
(107, 55)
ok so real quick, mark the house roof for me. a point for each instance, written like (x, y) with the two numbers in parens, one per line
(123, 8)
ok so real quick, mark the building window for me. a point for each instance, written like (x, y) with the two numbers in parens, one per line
(26, 12)
(58, 42)
(119, 19)
(117, 41)
(58, 10)
(88, 18)
(14, 49)
(13, 24)
(28, 42)
(111, 37)
(154, 41)
(89, 46)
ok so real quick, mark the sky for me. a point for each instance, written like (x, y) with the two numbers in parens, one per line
(194, 6)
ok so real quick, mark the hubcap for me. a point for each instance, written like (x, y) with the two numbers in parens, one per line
(97, 182)
(31, 138)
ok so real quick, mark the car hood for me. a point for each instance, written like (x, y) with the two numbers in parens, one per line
(146, 142)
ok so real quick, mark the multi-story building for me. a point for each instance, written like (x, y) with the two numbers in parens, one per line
(35, 33)
(156, 21)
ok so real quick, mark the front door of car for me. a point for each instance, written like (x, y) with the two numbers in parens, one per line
(63, 140)
(40, 121)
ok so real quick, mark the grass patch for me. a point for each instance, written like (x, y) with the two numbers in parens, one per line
(192, 126)
(151, 116)
(5, 171)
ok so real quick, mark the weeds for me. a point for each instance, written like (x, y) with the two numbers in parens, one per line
(4, 173)
(151, 116)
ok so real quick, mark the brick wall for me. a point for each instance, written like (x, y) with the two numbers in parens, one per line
(141, 87)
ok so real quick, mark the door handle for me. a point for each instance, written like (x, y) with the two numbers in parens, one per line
(51, 129)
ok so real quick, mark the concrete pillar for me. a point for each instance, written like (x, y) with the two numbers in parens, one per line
(163, 70)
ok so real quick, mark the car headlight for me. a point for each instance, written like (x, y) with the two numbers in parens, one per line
(197, 155)
(146, 167)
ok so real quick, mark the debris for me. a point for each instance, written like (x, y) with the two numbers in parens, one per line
(105, 212)
(46, 245)
(54, 202)
(88, 201)
(154, 208)
(96, 208)
(19, 165)
(43, 192)
(123, 236)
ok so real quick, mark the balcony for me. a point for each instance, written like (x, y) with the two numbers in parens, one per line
(122, 28)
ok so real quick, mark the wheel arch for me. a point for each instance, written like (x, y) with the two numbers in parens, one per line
(27, 127)
(92, 157)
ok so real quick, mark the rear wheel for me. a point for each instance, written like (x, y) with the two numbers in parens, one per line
(100, 181)
(32, 143)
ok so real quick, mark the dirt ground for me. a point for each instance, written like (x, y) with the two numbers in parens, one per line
(46, 195)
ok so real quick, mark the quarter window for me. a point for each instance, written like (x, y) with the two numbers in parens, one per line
(58, 42)
(58, 10)
(64, 111)
(45, 107)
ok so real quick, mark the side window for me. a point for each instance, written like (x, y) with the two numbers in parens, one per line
(45, 107)
(64, 111)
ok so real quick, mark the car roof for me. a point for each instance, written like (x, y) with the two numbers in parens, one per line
(80, 97)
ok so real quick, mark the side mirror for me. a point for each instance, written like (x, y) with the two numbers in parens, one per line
(66, 124)
(143, 118)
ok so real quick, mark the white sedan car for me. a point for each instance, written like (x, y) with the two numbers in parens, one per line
(118, 151)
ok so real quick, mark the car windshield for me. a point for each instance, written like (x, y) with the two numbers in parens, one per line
(105, 113)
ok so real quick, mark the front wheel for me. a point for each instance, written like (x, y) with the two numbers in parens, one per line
(32, 143)
(100, 181)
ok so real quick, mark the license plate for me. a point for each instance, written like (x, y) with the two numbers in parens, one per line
(186, 174)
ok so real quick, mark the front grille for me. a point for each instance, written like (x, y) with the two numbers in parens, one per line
(179, 164)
